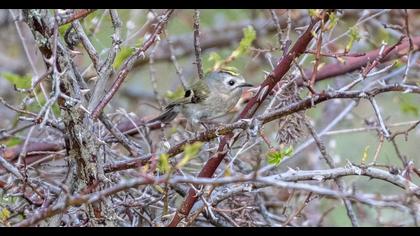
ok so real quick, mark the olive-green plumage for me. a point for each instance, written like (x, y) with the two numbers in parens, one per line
(213, 96)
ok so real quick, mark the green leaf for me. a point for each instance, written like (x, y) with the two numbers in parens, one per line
(56, 109)
(22, 82)
(4, 214)
(249, 36)
(13, 141)
(244, 46)
(62, 29)
(288, 151)
(354, 35)
(365, 155)
(383, 35)
(333, 20)
(190, 151)
(216, 59)
(407, 106)
(123, 54)
(274, 157)
(163, 164)
(314, 12)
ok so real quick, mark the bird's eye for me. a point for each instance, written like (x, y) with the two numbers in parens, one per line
(231, 82)
(187, 93)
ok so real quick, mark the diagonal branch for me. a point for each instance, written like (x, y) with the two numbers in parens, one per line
(352, 63)
(128, 65)
(265, 88)
(77, 14)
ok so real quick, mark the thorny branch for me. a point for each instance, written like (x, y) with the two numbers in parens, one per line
(67, 169)
(272, 79)
(287, 180)
(128, 64)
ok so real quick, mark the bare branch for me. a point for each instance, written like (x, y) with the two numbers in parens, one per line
(197, 46)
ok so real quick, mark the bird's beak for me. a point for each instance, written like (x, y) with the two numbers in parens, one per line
(245, 85)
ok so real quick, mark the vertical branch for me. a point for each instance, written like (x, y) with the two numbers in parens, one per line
(197, 46)
(153, 76)
(178, 69)
(278, 28)
(105, 68)
(407, 29)
(410, 40)
(317, 56)
(90, 49)
(331, 164)
(384, 129)
(29, 57)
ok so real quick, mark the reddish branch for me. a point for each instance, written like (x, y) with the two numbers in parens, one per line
(77, 15)
(297, 106)
(379, 58)
(274, 115)
(352, 63)
(281, 69)
(217, 37)
(12, 153)
(317, 57)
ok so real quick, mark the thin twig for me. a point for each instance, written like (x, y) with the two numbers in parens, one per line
(128, 64)
(197, 46)
(350, 212)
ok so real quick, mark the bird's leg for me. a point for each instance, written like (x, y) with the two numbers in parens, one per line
(206, 128)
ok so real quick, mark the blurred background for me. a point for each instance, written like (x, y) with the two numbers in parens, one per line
(348, 124)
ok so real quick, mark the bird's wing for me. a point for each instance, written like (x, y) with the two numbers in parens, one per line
(200, 91)
(172, 109)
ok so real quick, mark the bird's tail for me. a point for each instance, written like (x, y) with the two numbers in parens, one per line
(167, 116)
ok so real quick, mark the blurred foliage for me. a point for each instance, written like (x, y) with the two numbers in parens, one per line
(12, 141)
(190, 151)
(242, 49)
(173, 95)
(36, 107)
(354, 36)
(356, 147)
(4, 214)
(123, 54)
(408, 106)
(21, 82)
(365, 155)
(163, 164)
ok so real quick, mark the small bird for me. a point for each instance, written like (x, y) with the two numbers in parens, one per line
(206, 99)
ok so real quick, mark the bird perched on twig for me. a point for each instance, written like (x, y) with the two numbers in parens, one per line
(206, 99)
